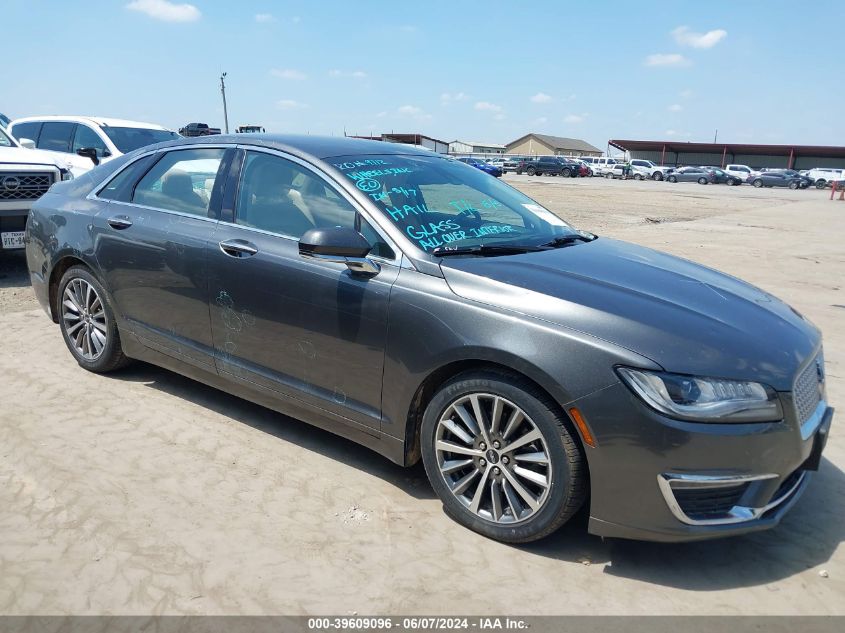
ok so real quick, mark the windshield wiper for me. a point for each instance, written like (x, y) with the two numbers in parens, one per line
(484, 250)
(566, 240)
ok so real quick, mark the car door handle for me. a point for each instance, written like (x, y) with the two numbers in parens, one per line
(238, 248)
(119, 222)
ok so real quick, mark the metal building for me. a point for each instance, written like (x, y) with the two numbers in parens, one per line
(755, 156)
(475, 147)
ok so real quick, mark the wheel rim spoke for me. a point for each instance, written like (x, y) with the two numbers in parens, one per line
(493, 458)
(84, 319)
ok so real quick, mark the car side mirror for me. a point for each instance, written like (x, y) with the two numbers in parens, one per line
(89, 152)
(341, 246)
(26, 143)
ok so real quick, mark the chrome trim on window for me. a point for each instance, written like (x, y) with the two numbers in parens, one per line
(667, 482)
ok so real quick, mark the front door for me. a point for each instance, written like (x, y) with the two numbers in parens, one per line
(152, 249)
(305, 329)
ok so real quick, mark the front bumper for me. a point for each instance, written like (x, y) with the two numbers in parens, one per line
(659, 479)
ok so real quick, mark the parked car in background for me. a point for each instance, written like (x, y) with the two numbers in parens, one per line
(247, 129)
(652, 170)
(636, 172)
(531, 366)
(602, 164)
(823, 176)
(806, 181)
(740, 171)
(497, 162)
(198, 129)
(25, 175)
(84, 141)
(584, 169)
(478, 163)
(777, 179)
(691, 174)
(547, 165)
(511, 163)
(721, 177)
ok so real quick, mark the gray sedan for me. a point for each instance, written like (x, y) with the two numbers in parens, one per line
(691, 174)
(417, 306)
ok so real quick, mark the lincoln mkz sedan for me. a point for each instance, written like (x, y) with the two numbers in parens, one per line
(420, 307)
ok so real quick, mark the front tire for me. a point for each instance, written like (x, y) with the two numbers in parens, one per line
(757, 183)
(501, 457)
(658, 175)
(566, 173)
(793, 185)
(672, 179)
(87, 321)
(531, 171)
(703, 181)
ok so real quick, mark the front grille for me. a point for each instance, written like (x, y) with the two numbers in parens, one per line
(701, 504)
(806, 392)
(24, 185)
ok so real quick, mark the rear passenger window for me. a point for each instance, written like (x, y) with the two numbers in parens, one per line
(181, 181)
(120, 187)
(55, 136)
(29, 129)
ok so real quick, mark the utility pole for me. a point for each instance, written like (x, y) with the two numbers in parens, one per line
(716, 135)
(223, 92)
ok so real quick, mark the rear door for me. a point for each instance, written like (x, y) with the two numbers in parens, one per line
(151, 244)
(302, 328)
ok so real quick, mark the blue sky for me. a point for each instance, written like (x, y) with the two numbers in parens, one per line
(759, 71)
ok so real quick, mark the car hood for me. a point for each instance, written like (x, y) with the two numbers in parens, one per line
(23, 156)
(685, 317)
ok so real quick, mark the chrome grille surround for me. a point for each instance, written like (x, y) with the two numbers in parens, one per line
(23, 185)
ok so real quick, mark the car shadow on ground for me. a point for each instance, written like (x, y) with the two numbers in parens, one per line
(13, 272)
(412, 481)
(806, 538)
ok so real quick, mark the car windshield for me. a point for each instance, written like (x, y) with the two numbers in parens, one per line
(127, 139)
(440, 203)
(5, 141)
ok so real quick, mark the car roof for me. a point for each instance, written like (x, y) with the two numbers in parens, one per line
(321, 147)
(96, 120)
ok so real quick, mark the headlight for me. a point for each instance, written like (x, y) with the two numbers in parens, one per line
(67, 174)
(704, 399)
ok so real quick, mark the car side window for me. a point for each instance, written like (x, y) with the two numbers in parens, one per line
(120, 187)
(86, 137)
(27, 129)
(55, 136)
(280, 196)
(182, 180)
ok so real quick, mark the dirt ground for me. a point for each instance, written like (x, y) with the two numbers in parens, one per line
(146, 493)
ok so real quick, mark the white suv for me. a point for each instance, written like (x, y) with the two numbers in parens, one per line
(656, 172)
(823, 176)
(86, 141)
(25, 175)
(740, 171)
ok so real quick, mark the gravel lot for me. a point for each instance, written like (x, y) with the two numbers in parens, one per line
(147, 493)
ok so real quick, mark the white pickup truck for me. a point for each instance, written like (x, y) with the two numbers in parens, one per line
(652, 170)
(25, 175)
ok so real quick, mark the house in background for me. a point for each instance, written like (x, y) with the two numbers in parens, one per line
(546, 145)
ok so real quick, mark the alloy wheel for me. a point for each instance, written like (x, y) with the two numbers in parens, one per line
(84, 319)
(493, 458)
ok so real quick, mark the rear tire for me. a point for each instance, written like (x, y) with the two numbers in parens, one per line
(87, 322)
(500, 493)
(531, 171)
(657, 175)
(703, 181)
(757, 183)
(638, 176)
(821, 184)
(566, 172)
(793, 185)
